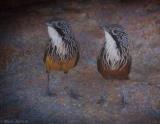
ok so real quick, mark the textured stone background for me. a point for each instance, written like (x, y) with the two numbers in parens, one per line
(83, 96)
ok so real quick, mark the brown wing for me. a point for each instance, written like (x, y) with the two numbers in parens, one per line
(77, 59)
(46, 52)
(129, 63)
(45, 55)
(99, 59)
(78, 55)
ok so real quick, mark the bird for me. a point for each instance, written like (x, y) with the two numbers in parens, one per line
(114, 60)
(62, 51)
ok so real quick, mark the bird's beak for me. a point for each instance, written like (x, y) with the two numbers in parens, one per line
(104, 26)
(48, 24)
(101, 26)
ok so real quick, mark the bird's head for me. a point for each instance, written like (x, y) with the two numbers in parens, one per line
(115, 36)
(116, 32)
(61, 26)
(114, 29)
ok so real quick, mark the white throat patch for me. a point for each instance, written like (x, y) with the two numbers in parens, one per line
(112, 50)
(56, 40)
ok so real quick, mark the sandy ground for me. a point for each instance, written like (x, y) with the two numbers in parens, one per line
(82, 96)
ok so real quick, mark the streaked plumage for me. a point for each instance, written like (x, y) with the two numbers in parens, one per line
(114, 60)
(62, 53)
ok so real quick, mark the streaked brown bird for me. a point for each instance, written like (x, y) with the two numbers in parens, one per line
(114, 60)
(62, 53)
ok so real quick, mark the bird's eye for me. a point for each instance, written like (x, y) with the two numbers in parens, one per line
(114, 32)
(59, 24)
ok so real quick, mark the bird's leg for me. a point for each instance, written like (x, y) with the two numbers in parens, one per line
(68, 80)
(48, 86)
(70, 89)
(124, 98)
(66, 87)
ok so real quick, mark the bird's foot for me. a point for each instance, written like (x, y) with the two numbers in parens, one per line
(52, 94)
(73, 94)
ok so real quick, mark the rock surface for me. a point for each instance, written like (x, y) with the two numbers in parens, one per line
(82, 96)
